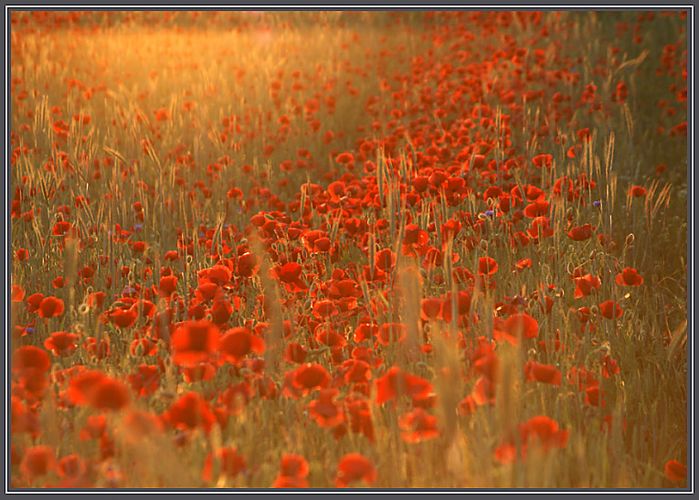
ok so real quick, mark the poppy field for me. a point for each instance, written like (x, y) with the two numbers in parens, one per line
(348, 249)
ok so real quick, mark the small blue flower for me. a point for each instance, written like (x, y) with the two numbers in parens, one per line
(138, 227)
(490, 213)
(30, 329)
(597, 203)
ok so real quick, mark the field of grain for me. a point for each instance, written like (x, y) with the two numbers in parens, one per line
(348, 249)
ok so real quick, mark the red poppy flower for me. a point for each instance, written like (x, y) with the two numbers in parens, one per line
(581, 233)
(28, 360)
(247, 265)
(580, 378)
(637, 191)
(344, 158)
(484, 391)
(365, 331)
(324, 309)
(161, 114)
(355, 467)
(326, 335)
(463, 305)
(290, 482)
(421, 183)
(238, 342)
(51, 307)
(585, 285)
(385, 260)
(539, 432)
(620, 92)
(523, 264)
(487, 266)
(609, 366)
(358, 415)
(467, 406)
(584, 134)
(23, 418)
(336, 190)
(540, 228)
(543, 431)
(537, 208)
(293, 466)
(82, 385)
(139, 246)
(95, 428)
(547, 374)
(629, 277)
(96, 300)
(357, 371)
(594, 396)
(71, 466)
(38, 461)
(391, 333)
(295, 353)
(430, 309)
(543, 160)
(584, 314)
(610, 309)
(17, 293)
(343, 288)
(486, 364)
(61, 228)
(94, 388)
(171, 255)
(310, 376)
(168, 285)
(34, 301)
(123, 317)
(395, 383)
(109, 394)
(189, 412)
(194, 342)
(418, 426)
(97, 348)
(22, 254)
(413, 235)
(61, 343)
(675, 471)
(522, 325)
(206, 291)
(290, 274)
(221, 311)
(293, 472)
(217, 274)
(145, 380)
(229, 463)
(143, 347)
(505, 453)
(316, 240)
(450, 229)
(324, 410)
